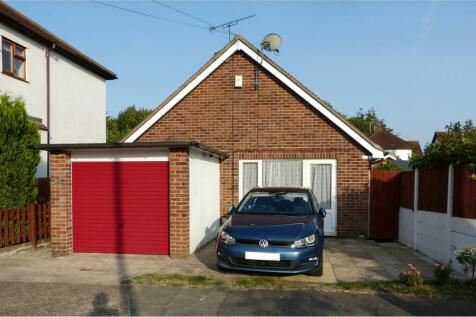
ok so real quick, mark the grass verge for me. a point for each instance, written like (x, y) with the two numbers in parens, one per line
(455, 289)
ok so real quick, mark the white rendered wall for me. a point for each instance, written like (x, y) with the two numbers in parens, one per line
(204, 198)
(77, 103)
(405, 226)
(463, 234)
(433, 235)
(402, 154)
(34, 90)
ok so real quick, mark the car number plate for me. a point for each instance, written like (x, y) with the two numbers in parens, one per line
(262, 256)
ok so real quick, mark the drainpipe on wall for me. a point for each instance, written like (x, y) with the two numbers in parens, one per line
(48, 121)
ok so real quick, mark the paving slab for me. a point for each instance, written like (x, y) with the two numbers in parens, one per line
(344, 260)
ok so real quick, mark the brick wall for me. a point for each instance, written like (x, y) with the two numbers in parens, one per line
(60, 185)
(271, 122)
(179, 202)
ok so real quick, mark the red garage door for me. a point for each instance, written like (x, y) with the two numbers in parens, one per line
(121, 207)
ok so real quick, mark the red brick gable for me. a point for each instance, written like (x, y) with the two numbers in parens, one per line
(269, 122)
(269, 117)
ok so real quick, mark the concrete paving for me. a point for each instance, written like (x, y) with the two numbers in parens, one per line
(345, 260)
(92, 299)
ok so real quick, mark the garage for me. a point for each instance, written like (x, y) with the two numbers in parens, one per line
(158, 198)
(120, 207)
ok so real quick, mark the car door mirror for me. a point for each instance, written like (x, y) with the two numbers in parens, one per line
(231, 210)
(322, 212)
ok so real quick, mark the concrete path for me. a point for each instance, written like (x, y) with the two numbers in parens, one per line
(86, 299)
(345, 260)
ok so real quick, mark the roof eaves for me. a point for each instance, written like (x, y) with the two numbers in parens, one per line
(36, 31)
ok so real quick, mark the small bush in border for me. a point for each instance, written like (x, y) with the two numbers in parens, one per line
(442, 273)
(466, 257)
(411, 276)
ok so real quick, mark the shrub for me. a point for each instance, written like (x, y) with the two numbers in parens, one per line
(18, 160)
(458, 147)
(442, 273)
(411, 276)
(466, 257)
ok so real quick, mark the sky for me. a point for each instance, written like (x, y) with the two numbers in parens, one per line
(414, 62)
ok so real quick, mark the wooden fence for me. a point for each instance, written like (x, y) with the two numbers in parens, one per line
(43, 185)
(407, 184)
(384, 201)
(433, 189)
(464, 194)
(29, 223)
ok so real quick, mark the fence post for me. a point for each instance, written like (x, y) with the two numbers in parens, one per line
(449, 207)
(415, 207)
(32, 224)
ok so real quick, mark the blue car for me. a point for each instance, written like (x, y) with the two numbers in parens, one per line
(274, 230)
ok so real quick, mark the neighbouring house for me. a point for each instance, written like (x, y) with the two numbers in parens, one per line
(394, 147)
(439, 136)
(241, 121)
(64, 90)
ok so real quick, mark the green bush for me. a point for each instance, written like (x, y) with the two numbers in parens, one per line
(459, 148)
(387, 166)
(18, 160)
(411, 276)
(466, 257)
(442, 273)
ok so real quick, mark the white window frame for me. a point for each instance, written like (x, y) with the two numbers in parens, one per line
(306, 177)
(240, 175)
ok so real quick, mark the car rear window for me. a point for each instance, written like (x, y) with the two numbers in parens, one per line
(276, 203)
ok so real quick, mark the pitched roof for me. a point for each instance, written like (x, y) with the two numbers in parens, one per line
(439, 136)
(415, 146)
(240, 44)
(388, 140)
(28, 27)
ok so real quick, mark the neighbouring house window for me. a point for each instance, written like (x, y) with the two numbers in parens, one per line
(250, 176)
(13, 59)
(321, 178)
(286, 173)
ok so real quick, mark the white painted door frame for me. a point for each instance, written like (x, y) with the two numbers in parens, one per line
(330, 223)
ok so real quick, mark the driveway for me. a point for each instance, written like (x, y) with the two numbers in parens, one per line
(345, 260)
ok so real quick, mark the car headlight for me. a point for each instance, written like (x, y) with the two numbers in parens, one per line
(305, 242)
(226, 238)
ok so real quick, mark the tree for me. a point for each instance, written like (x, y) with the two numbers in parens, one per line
(126, 120)
(18, 159)
(367, 122)
(458, 147)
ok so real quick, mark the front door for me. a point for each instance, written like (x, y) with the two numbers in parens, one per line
(321, 177)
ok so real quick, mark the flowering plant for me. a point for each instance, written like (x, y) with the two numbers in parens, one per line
(411, 276)
(466, 257)
(442, 273)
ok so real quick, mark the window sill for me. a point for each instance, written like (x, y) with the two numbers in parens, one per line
(13, 76)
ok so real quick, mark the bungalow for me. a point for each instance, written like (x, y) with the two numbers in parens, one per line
(241, 121)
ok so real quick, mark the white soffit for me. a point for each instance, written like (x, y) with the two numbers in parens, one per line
(240, 46)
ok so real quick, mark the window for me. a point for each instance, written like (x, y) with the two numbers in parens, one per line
(318, 175)
(13, 59)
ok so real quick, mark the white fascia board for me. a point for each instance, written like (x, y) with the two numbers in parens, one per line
(376, 153)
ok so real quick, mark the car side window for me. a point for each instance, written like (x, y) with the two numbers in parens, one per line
(314, 202)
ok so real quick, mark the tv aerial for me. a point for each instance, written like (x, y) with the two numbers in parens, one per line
(229, 24)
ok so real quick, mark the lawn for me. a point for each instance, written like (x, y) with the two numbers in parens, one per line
(454, 289)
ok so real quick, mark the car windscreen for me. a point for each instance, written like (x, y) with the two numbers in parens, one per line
(276, 203)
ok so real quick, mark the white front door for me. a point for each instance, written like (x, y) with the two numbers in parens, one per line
(318, 175)
(321, 177)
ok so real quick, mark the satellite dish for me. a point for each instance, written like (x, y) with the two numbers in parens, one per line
(271, 42)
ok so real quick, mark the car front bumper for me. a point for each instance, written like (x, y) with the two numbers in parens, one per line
(292, 261)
